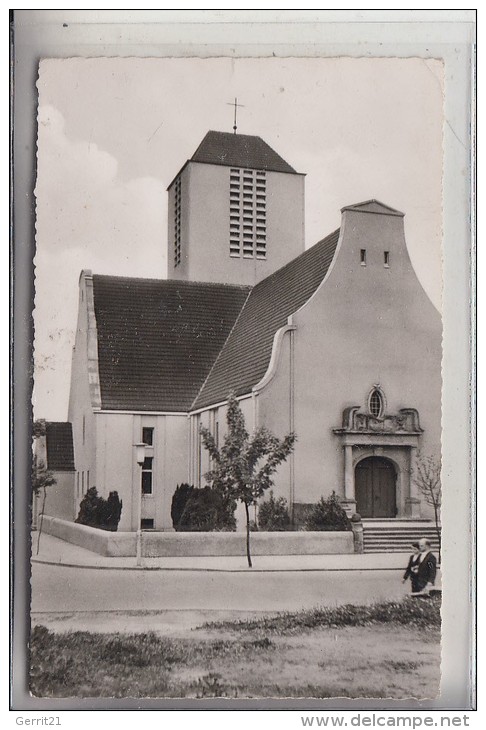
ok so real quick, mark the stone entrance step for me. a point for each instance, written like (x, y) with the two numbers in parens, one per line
(383, 536)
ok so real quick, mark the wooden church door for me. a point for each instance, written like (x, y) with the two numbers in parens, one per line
(375, 488)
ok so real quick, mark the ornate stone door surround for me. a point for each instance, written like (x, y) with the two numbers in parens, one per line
(395, 437)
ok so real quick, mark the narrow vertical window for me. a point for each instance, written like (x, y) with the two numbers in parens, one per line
(147, 470)
(235, 213)
(148, 436)
(177, 222)
(386, 258)
(363, 257)
(84, 428)
(199, 458)
(198, 450)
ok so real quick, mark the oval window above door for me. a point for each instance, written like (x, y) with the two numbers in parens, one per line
(376, 403)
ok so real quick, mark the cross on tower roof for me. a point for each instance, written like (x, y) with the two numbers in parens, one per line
(236, 105)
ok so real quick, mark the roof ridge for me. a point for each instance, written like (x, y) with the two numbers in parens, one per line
(232, 134)
(358, 206)
(220, 351)
(174, 281)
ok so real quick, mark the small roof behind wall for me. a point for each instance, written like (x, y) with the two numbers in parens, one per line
(59, 446)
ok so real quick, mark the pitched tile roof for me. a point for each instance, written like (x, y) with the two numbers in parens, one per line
(246, 354)
(157, 339)
(59, 446)
(239, 150)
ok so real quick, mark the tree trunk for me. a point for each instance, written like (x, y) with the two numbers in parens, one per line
(41, 519)
(437, 529)
(248, 535)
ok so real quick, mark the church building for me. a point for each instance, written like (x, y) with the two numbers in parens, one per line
(338, 343)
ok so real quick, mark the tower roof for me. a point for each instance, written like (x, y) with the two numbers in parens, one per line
(239, 150)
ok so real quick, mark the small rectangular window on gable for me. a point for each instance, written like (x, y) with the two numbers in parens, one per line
(146, 523)
(363, 257)
(386, 259)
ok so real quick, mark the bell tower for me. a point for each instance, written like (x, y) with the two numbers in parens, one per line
(236, 212)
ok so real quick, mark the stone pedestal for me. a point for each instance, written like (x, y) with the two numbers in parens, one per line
(349, 506)
(358, 538)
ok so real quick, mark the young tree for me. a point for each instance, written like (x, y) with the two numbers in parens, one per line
(41, 479)
(427, 479)
(243, 467)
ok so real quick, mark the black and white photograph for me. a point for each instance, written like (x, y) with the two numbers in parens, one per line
(237, 406)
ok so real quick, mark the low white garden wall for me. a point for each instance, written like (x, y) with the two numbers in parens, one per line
(110, 544)
(192, 544)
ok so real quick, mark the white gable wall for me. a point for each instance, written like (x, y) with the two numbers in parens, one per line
(365, 325)
(80, 412)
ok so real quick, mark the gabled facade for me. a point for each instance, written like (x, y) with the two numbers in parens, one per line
(338, 343)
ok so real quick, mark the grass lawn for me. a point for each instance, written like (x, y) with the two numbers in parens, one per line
(385, 650)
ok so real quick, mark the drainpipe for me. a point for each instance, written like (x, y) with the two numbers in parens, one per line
(292, 423)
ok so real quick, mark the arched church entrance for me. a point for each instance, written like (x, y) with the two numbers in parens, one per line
(375, 487)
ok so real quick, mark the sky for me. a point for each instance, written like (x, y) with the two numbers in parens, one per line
(113, 133)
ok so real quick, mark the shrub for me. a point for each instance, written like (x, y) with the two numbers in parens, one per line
(327, 515)
(201, 510)
(95, 511)
(112, 511)
(273, 515)
(179, 499)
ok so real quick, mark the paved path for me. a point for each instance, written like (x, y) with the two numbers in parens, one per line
(58, 552)
(74, 588)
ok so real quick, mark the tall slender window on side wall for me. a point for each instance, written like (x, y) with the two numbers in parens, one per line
(199, 456)
(147, 475)
(148, 436)
(177, 221)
